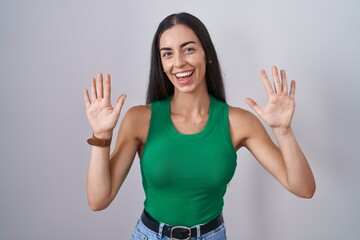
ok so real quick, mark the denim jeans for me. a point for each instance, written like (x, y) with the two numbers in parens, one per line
(141, 232)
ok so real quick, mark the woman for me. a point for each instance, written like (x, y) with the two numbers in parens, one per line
(187, 137)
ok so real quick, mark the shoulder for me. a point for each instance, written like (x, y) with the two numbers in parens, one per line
(240, 115)
(243, 125)
(136, 122)
(138, 113)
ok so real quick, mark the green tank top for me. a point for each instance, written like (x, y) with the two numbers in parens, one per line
(185, 175)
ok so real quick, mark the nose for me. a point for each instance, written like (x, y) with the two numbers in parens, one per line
(179, 60)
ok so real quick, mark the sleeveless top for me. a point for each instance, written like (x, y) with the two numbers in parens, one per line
(184, 176)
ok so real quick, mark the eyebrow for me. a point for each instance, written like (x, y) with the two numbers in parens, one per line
(182, 45)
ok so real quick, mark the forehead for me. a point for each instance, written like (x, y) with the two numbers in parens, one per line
(175, 36)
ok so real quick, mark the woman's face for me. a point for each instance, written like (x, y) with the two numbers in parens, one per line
(183, 59)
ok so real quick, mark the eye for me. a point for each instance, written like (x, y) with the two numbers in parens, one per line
(166, 54)
(189, 50)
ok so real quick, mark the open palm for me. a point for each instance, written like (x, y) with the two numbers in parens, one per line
(279, 111)
(100, 113)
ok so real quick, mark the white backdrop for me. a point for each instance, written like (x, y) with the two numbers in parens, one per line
(50, 49)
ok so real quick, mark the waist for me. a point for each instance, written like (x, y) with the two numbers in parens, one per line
(185, 213)
(180, 232)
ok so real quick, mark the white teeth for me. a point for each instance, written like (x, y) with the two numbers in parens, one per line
(183, 74)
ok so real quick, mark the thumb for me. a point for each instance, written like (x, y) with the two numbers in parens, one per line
(256, 107)
(120, 103)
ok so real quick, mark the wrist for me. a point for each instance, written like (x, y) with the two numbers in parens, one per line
(281, 131)
(103, 135)
(99, 142)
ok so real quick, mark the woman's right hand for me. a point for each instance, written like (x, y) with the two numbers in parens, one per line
(101, 115)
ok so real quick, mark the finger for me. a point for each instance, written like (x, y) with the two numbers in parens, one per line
(99, 89)
(107, 87)
(275, 74)
(93, 90)
(86, 98)
(256, 107)
(284, 81)
(266, 82)
(120, 103)
(292, 88)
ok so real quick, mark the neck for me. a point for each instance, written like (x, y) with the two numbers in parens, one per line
(190, 104)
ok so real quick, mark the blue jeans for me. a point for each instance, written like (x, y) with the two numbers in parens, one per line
(141, 232)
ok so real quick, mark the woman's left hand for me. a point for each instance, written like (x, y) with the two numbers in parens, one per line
(279, 111)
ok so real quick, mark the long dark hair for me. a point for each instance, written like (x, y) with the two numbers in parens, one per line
(160, 86)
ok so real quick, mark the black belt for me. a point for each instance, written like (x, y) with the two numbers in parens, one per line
(180, 232)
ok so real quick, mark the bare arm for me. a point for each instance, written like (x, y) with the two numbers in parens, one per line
(286, 162)
(300, 179)
(108, 171)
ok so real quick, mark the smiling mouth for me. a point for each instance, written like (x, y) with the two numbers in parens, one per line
(184, 75)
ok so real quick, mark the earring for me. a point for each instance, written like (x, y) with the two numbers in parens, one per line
(210, 62)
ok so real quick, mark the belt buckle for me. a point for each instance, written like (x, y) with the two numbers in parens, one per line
(180, 227)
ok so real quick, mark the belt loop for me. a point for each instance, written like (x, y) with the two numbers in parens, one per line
(198, 231)
(160, 232)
